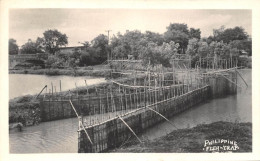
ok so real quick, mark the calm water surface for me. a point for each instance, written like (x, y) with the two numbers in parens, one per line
(61, 136)
(231, 108)
(23, 84)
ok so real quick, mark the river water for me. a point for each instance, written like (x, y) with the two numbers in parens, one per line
(61, 136)
(24, 84)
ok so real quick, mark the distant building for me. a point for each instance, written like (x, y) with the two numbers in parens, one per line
(243, 53)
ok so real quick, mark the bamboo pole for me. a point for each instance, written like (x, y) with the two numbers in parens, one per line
(126, 104)
(162, 116)
(51, 88)
(130, 98)
(45, 87)
(60, 85)
(80, 121)
(130, 129)
(100, 106)
(241, 77)
(121, 102)
(107, 105)
(230, 80)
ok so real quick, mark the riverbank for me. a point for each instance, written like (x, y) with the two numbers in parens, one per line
(83, 71)
(216, 135)
(26, 109)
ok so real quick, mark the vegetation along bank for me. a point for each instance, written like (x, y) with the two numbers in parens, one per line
(205, 138)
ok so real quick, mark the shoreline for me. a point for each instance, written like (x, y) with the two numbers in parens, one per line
(68, 72)
(83, 71)
(26, 109)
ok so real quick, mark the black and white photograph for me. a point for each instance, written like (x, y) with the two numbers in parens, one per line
(129, 80)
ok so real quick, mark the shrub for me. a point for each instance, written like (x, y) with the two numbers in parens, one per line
(36, 67)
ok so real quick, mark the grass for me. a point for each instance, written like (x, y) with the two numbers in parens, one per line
(24, 109)
(192, 139)
(83, 71)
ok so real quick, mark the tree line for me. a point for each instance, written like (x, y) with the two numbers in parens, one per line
(158, 48)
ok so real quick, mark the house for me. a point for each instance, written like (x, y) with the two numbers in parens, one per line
(243, 54)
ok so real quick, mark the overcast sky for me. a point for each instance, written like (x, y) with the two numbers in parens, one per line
(85, 24)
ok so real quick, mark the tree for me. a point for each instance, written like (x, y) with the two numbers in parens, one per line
(195, 33)
(247, 46)
(74, 59)
(159, 54)
(30, 47)
(53, 62)
(154, 37)
(192, 48)
(179, 27)
(230, 34)
(217, 32)
(130, 43)
(86, 45)
(197, 49)
(100, 48)
(13, 47)
(241, 45)
(203, 49)
(53, 40)
(219, 48)
(210, 39)
(178, 33)
(40, 45)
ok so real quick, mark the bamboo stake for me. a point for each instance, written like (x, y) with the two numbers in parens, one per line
(60, 85)
(230, 80)
(241, 77)
(155, 96)
(80, 121)
(51, 88)
(121, 102)
(130, 100)
(162, 117)
(130, 129)
(41, 91)
(126, 107)
(100, 106)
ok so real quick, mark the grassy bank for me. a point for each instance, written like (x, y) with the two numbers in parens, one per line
(26, 109)
(192, 140)
(84, 71)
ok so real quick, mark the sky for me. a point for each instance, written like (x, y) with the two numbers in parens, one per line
(82, 25)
